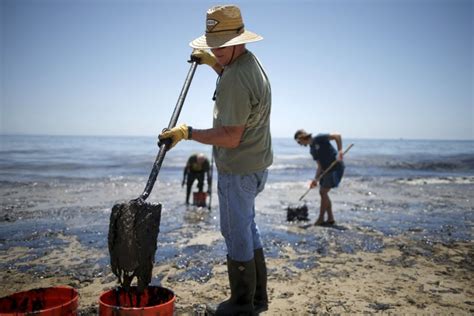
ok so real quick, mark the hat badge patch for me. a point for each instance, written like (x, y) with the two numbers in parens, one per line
(211, 24)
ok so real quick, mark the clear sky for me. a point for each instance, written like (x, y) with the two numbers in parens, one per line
(364, 68)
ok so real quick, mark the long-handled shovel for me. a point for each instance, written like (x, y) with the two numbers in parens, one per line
(211, 171)
(326, 171)
(134, 226)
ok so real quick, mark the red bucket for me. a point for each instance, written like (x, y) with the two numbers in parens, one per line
(154, 300)
(199, 198)
(50, 301)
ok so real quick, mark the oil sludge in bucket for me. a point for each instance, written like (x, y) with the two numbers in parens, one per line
(154, 300)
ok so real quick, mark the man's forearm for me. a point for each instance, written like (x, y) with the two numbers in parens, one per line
(224, 136)
(338, 139)
(318, 172)
(339, 142)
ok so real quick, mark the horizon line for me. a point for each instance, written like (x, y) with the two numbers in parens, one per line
(273, 137)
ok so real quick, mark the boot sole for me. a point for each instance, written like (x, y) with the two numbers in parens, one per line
(261, 309)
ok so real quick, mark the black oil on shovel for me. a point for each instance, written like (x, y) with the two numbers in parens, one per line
(134, 226)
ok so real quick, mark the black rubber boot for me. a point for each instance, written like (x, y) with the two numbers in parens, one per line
(242, 280)
(260, 300)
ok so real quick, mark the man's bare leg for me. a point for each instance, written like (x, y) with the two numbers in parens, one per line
(325, 205)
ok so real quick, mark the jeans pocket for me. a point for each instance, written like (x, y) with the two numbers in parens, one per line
(248, 184)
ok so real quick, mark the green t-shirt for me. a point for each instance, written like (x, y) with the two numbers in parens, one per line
(243, 97)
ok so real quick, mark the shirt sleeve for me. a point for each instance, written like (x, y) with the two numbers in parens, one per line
(321, 138)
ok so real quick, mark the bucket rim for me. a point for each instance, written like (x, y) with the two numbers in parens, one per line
(172, 300)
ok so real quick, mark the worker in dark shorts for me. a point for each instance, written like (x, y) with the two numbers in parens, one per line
(196, 168)
(324, 154)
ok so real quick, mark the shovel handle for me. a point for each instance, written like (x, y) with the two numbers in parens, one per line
(164, 146)
(211, 171)
(326, 171)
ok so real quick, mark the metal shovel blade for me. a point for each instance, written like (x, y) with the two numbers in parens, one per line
(132, 239)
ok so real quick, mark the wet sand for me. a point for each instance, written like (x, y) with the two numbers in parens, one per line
(402, 246)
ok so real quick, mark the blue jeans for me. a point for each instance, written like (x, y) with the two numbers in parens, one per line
(237, 212)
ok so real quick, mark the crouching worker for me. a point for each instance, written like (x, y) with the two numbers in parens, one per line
(196, 168)
(324, 154)
(242, 151)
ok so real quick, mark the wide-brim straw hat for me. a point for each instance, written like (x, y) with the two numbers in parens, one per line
(224, 27)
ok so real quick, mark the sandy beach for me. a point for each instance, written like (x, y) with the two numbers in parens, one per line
(391, 250)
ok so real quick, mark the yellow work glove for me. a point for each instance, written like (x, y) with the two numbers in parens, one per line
(176, 134)
(204, 57)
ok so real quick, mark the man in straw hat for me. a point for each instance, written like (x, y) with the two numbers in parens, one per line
(324, 154)
(242, 149)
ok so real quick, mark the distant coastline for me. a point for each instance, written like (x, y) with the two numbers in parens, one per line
(273, 137)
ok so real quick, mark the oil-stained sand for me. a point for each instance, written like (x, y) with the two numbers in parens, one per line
(405, 246)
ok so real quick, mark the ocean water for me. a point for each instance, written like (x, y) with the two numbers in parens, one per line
(56, 186)
(36, 158)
